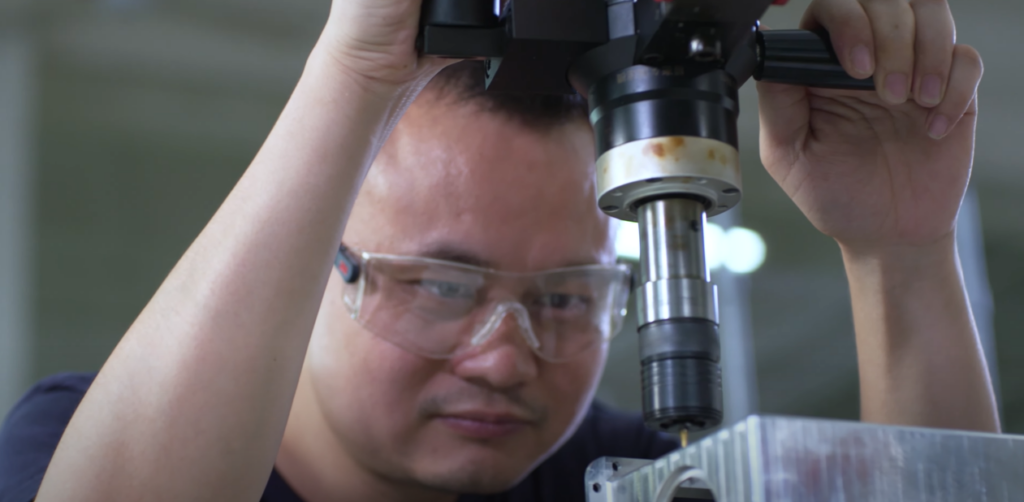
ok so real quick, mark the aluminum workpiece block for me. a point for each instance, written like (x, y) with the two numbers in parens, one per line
(778, 459)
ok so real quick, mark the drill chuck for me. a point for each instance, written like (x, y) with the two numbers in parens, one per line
(678, 309)
(681, 377)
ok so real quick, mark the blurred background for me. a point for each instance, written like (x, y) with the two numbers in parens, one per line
(124, 123)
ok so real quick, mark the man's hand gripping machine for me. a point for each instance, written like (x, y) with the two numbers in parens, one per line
(661, 78)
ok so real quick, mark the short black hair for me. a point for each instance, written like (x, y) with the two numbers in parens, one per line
(464, 82)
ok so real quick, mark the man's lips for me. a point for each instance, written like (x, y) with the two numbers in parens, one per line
(484, 424)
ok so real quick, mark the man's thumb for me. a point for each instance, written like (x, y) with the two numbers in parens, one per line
(785, 115)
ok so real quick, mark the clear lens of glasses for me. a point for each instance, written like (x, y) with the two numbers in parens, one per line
(437, 309)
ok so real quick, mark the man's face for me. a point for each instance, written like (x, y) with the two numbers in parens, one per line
(466, 183)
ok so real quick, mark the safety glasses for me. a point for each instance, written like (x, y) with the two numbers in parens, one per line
(439, 309)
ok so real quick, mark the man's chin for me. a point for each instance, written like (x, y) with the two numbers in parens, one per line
(475, 481)
(476, 471)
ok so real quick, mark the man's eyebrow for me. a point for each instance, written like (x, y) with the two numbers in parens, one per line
(448, 252)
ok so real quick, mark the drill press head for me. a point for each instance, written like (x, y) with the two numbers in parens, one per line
(665, 128)
(667, 162)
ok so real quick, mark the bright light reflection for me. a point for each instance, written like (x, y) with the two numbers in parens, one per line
(744, 250)
(627, 242)
(740, 250)
(714, 244)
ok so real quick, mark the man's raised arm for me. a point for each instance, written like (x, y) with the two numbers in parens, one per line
(920, 359)
(193, 402)
(884, 174)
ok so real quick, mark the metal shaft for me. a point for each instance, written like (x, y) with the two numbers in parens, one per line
(672, 234)
(675, 282)
(678, 310)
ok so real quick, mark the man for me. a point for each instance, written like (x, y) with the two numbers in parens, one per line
(442, 355)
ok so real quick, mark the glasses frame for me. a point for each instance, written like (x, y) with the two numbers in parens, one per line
(352, 264)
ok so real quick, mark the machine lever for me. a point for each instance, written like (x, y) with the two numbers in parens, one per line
(802, 58)
(463, 13)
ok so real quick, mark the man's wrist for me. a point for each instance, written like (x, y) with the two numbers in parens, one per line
(901, 265)
(326, 65)
(330, 84)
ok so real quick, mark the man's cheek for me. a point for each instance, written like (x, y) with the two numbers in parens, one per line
(581, 375)
(361, 374)
(377, 392)
(585, 375)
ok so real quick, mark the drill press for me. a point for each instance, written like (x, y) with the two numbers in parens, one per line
(661, 78)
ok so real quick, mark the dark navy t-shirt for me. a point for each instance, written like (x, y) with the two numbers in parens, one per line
(33, 428)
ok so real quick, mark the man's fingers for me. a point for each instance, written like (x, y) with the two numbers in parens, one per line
(785, 114)
(849, 28)
(964, 77)
(936, 35)
(894, 28)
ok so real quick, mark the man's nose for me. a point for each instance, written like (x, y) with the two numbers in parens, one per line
(504, 360)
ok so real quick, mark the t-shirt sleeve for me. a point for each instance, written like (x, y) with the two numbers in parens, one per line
(30, 434)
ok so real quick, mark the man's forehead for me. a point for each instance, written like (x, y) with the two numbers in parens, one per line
(459, 182)
(440, 146)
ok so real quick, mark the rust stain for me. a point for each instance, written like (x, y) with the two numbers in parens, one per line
(678, 145)
(711, 154)
(665, 148)
(627, 164)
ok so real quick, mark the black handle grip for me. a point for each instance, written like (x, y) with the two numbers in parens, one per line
(460, 29)
(464, 13)
(802, 58)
